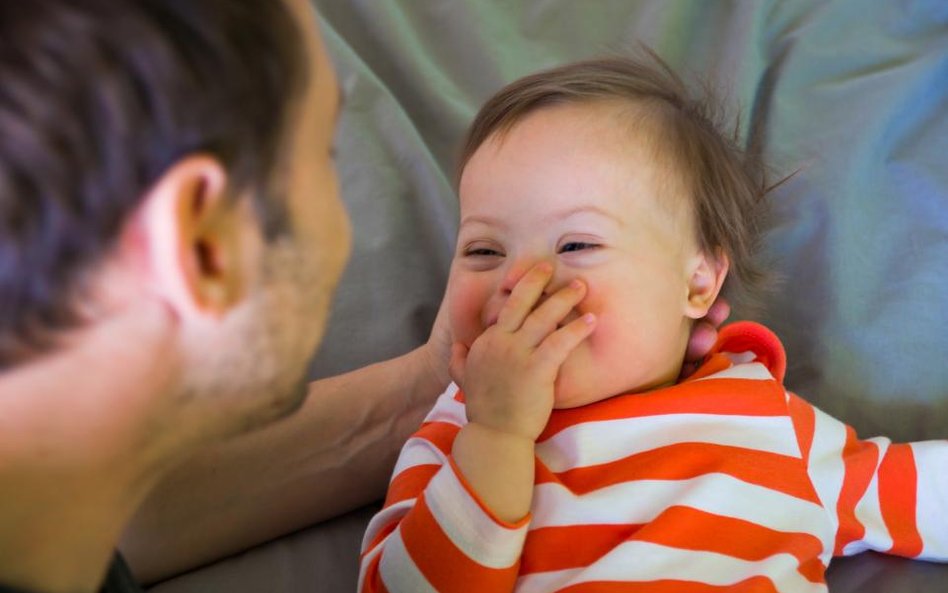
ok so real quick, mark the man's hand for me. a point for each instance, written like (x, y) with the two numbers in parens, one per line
(437, 350)
(703, 336)
(508, 373)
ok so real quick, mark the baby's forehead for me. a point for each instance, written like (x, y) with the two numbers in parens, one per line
(644, 125)
(645, 128)
(613, 137)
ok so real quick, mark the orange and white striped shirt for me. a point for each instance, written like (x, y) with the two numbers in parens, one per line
(725, 482)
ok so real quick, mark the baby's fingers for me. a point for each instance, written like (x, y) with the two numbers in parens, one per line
(558, 345)
(544, 319)
(524, 297)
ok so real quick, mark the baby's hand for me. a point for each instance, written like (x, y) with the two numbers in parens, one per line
(508, 373)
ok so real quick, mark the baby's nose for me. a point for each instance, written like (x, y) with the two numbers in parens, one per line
(515, 274)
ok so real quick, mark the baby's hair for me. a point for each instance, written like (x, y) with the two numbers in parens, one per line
(726, 183)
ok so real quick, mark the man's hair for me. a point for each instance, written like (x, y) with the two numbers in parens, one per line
(727, 185)
(98, 99)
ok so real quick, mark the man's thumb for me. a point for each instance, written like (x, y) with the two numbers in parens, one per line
(458, 362)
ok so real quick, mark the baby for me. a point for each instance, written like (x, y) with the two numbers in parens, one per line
(601, 214)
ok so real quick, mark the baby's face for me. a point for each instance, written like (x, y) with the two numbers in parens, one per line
(580, 187)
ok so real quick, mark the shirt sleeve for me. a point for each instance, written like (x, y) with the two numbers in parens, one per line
(433, 532)
(882, 496)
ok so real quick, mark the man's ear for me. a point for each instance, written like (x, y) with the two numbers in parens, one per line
(706, 279)
(193, 237)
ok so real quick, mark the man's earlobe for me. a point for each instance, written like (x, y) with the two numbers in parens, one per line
(194, 238)
(704, 284)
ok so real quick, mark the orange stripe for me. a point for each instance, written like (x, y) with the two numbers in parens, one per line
(804, 424)
(684, 461)
(373, 581)
(744, 336)
(542, 474)
(751, 585)
(379, 538)
(742, 397)
(410, 483)
(692, 529)
(554, 548)
(715, 363)
(447, 568)
(898, 479)
(860, 459)
(439, 434)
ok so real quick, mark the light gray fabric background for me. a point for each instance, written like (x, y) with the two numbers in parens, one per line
(852, 94)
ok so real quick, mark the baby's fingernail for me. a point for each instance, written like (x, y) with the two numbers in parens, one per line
(577, 284)
(589, 318)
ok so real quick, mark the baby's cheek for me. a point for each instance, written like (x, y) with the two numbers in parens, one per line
(466, 305)
(615, 344)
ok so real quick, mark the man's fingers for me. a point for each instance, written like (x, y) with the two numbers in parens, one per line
(687, 369)
(720, 310)
(703, 337)
(544, 319)
(558, 345)
(524, 297)
(705, 332)
(458, 362)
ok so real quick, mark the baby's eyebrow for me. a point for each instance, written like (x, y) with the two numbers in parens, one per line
(584, 209)
(484, 220)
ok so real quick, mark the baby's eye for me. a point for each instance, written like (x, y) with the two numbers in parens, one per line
(577, 246)
(481, 252)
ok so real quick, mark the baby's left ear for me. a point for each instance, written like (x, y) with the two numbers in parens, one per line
(708, 272)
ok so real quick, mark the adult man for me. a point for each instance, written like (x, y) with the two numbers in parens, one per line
(170, 235)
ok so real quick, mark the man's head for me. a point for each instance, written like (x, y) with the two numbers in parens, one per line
(172, 150)
(612, 172)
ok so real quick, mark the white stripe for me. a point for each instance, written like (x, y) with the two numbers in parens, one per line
(387, 516)
(593, 443)
(415, 452)
(364, 565)
(931, 462)
(746, 357)
(644, 561)
(553, 580)
(869, 511)
(753, 370)
(642, 501)
(418, 451)
(473, 531)
(398, 570)
(448, 409)
(827, 470)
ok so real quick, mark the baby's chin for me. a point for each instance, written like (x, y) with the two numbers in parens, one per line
(569, 394)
